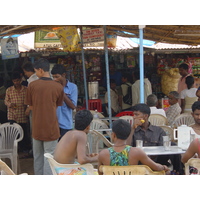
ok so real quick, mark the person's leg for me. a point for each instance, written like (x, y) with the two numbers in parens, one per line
(38, 155)
(49, 147)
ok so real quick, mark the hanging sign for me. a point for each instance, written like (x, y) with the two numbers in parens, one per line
(69, 38)
(45, 39)
(93, 35)
(9, 48)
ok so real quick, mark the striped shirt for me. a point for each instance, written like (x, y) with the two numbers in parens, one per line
(17, 97)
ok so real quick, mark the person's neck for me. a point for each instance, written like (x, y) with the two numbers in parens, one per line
(119, 143)
(18, 87)
(46, 74)
(145, 126)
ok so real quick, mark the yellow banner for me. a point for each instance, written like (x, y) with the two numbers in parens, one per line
(69, 38)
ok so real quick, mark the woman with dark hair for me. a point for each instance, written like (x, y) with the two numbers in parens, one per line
(188, 95)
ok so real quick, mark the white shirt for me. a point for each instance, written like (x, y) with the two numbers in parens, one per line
(114, 100)
(136, 91)
(155, 110)
(33, 77)
(190, 93)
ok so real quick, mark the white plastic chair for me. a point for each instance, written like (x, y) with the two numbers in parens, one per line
(184, 118)
(10, 135)
(157, 120)
(128, 118)
(5, 170)
(193, 164)
(69, 169)
(169, 131)
(94, 138)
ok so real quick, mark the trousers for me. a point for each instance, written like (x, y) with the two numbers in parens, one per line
(41, 165)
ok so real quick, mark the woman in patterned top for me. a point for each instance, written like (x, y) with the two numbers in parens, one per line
(121, 154)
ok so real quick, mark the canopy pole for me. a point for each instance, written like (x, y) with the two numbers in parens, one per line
(84, 71)
(107, 75)
(141, 62)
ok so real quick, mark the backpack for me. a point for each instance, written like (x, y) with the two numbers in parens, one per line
(127, 99)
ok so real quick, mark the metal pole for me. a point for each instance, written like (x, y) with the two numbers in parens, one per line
(107, 76)
(84, 71)
(141, 61)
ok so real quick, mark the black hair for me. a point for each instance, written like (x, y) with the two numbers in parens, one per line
(15, 75)
(142, 107)
(152, 100)
(83, 119)
(189, 81)
(42, 63)
(18, 70)
(112, 81)
(28, 66)
(196, 106)
(58, 69)
(184, 66)
(128, 76)
(121, 128)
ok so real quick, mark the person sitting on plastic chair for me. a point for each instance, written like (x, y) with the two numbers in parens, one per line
(73, 144)
(121, 154)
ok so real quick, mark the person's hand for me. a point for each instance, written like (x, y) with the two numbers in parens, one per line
(13, 105)
(166, 169)
(27, 111)
(138, 122)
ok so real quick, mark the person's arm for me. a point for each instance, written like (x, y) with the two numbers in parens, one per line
(182, 105)
(102, 156)
(190, 152)
(81, 151)
(145, 160)
(71, 101)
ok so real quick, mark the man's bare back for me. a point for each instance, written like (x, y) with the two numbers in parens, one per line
(73, 146)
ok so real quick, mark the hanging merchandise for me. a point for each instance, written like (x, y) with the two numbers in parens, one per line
(111, 41)
(69, 38)
(169, 80)
(130, 61)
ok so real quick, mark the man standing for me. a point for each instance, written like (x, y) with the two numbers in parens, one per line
(65, 112)
(44, 95)
(14, 100)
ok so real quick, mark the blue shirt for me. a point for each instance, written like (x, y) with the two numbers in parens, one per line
(64, 113)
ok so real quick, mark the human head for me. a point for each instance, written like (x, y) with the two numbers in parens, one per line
(83, 119)
(40, 66)
(59, 73)
(112, 84)
(121, 129)
(152, 100)
(189, 80)
(173, 97)
(196, 112)
(28, 69)
(141, 110)
(126, 77)
(111, 67)
(183, 69)
(16, 79)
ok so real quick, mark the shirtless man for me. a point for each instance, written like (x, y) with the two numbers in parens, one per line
(196, 115)
(129, 155)
(73, 144)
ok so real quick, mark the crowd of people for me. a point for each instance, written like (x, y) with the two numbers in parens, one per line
(44, 108)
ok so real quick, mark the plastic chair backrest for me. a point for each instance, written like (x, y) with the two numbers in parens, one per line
(95, 104)
(123, 113)
(10, 134)
(94, 137)
(128, 118)
(129, 170)
(192, 166)
(68, 169)
(169, 131)
(157, 120)
(184, 118)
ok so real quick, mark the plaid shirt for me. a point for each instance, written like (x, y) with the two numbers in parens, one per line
(17, 97)
(172, 112)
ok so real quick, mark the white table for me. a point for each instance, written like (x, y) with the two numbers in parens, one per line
(159, 150)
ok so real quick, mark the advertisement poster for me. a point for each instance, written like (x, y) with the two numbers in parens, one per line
(45, 39)
(93, 35)
(9, 48)
(69, 38)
